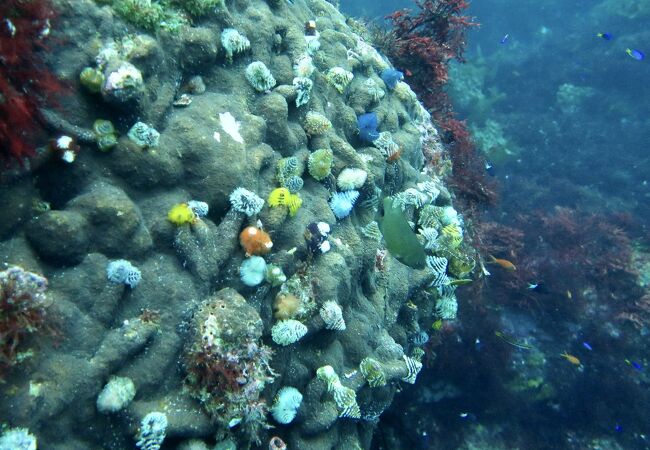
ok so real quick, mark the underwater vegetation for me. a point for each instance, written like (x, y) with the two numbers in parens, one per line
(575, 256)
(170, 14)
(424, 42)
(22, 312)
(26, 83)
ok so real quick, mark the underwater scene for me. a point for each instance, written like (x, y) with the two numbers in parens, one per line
(312, 224)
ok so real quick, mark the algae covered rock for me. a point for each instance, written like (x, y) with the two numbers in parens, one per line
(227, 365)
(60, 236)
(241, 151)
(275, 111)
(146, 169)
(17, 203)
(115, 222)
(199, 48)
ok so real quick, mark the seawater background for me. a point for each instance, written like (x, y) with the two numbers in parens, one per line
(564, 118)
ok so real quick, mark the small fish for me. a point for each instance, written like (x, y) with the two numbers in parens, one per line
(506, 339)
(40, 206)
(504, 39)
(634, 364)
(606, 36)
(468, 416)
(569, 295)
(478, 345)
(538, 287)
(587, 346)
(503, 263)
(489, 168)
(460, 282)
(437, 325)
(11, 27)
(636, 54)
(572, 359)
(618, 428)
(484, 270)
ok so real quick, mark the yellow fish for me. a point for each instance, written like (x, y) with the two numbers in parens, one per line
(503, 263)
(437, 325)
(572, 359)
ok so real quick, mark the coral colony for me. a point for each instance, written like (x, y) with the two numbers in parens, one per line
(221, 207)
(250, 235)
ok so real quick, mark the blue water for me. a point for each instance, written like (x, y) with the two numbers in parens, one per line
(570, 110)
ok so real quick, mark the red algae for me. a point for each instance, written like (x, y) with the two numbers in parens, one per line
(22, 312)
(422, 44)
(25, 81)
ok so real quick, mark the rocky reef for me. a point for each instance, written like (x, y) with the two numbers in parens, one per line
(161, 328)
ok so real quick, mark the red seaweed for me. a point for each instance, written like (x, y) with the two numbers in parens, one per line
(422, 44)
(26, 83)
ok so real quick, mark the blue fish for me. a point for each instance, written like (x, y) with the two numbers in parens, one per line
(636, 54)
(618, 428)
(606, 36)
(504, 39)
(391, 77)
(587, 346)
(489, 168)
(634, 364)
(368, 124)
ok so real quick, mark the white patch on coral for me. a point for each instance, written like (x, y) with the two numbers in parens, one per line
(231, 126)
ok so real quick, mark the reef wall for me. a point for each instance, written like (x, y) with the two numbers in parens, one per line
(254, 217)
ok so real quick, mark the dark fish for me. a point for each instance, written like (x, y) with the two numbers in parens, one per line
(489, 168)
(606, 36)
(468, 416)
(460, 282)
(538, 287)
